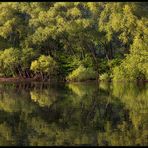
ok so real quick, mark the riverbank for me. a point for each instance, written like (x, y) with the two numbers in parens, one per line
(19, 79)
(16, 79)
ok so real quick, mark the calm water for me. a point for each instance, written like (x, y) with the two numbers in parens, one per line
(73, 114)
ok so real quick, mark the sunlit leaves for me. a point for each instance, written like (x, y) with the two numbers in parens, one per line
(45, 64)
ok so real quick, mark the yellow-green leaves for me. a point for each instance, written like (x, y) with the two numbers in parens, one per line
(44, 64)
(74, 12)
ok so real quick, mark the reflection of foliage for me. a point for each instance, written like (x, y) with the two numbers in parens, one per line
(12, 102)
(123, 136)
(81, 113)
(135, 99)
(8, 104)
(6, 135)
(104, 85)
(136, 102)
(82, 89)
(44, 97)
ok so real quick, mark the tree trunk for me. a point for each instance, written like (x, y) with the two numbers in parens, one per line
(28, 76)
(42, 75)
(20, 74)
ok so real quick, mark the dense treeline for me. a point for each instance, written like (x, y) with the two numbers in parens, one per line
(74, 41)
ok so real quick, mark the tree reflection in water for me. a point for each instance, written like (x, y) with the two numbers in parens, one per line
(73, 114)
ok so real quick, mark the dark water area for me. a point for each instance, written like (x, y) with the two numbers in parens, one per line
(92, 113)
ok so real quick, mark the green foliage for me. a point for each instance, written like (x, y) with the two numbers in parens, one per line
(45, 65)
(81, 74)
(104, 77)
(87, 61)
(118, 74)
(68, 64)
(98, 36)
(9, 60)
(114, 62)
(135, 65)
(103, 66)
(27, 56)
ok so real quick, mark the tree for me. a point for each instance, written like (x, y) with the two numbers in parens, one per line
(9, 59)
(45, 65)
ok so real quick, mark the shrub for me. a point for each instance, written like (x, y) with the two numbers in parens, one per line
(103, 66)
(45, 65)
(114, 62)
(9, 61)
(104, 77)
(135, 66)
(132, 68)
(82, 74)
(87, 61)
(118, 74)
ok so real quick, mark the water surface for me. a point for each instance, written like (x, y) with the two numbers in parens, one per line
(36, 114)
